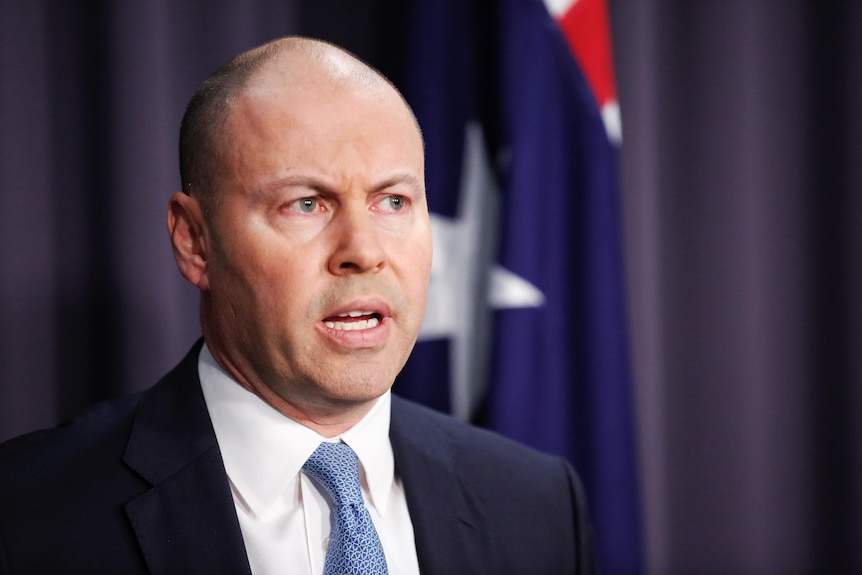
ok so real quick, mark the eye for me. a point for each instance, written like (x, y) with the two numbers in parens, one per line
(305, 205)
(393, 203)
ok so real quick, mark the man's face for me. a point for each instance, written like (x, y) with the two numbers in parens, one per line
(320, 243)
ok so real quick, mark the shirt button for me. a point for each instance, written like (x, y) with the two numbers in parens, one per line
(326, 544)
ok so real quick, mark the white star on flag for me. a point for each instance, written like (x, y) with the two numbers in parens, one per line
(466, 283)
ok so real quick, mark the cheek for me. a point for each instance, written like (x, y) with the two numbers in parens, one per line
(416, 264)
(291, 287)
(251, 275)
(424, 254)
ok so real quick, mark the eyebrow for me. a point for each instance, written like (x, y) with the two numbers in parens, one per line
(319, 184)
(401, 178)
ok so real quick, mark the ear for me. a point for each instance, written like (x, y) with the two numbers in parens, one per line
(187, 229)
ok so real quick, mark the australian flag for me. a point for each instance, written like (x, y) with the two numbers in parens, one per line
(525, 330)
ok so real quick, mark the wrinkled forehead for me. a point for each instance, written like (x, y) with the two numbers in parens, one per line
(317, 104)
(317, 123)
(314, 94)
(293, 84)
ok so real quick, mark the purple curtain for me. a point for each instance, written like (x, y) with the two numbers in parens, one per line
(741, 167)
(742, 164)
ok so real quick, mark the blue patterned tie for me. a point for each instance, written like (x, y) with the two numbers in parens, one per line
(354, 548)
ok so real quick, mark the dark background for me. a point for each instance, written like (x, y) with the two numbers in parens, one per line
(741, 169)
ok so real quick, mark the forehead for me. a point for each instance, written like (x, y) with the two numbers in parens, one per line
(281, 115)
(311, 81)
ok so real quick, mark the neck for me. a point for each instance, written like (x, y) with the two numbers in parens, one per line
(327, 416)
(330, 420)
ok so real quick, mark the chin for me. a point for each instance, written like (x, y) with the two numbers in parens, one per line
(352, 390)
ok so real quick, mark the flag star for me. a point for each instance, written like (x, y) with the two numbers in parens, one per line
(466, 284)
(559, 7)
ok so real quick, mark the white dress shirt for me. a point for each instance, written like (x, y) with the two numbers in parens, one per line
(284, 517)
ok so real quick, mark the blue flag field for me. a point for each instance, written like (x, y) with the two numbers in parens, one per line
(526, 328)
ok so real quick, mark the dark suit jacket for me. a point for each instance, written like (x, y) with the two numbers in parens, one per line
(137, 485)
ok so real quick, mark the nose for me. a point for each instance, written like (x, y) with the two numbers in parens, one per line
(357, 248)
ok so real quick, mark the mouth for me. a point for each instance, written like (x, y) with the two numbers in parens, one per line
(353, 320)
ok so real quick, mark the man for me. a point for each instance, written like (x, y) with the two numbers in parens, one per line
(303, 223)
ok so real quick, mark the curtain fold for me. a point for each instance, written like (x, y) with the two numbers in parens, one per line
(741, 163)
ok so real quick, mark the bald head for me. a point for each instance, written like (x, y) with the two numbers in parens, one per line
(295, 61)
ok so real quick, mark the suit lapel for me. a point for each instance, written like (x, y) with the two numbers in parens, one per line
(447, 523)
(187, 522)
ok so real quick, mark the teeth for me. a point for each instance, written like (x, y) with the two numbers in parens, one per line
(355, 313)
(353, 325)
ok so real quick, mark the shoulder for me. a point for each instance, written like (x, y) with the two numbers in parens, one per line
(481, 455)
(522, 499)
(68, 469)
(93, 431)
(423, 422)
(67, 485)
(97, 435)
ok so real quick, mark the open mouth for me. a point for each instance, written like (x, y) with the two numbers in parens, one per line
(353, 320)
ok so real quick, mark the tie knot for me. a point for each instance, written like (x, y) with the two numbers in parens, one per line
(336, 467)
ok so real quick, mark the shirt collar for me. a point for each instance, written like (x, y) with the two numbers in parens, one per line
(263, 450)
(369, 438)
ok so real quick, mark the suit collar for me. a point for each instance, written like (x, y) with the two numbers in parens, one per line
(187, 522)
(447, 523)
